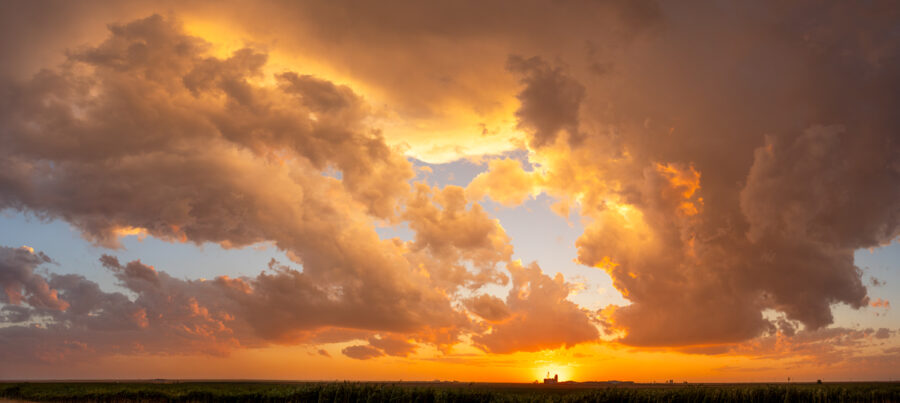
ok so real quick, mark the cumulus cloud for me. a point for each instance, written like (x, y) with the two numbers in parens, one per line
(723, 180)
(488, 307)
(823, 347)
(145, 131)
(455, 233)
(393, 345)
(362, 352)
(505, 181)
(148, 133)
(538, 315)
(21, 284)
(186, 99)
(550, 101)
(167, 315)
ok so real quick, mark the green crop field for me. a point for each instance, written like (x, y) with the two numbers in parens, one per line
(441, 392)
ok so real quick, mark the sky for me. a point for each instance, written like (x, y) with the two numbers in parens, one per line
(700, 191)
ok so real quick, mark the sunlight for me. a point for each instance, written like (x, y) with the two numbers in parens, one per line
(563, 370)
(224, 40)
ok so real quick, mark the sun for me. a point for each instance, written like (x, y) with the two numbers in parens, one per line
(563, 370)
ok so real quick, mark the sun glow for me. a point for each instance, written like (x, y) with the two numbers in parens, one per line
(225, 40)
(473, 132)
(140, 233)
(564, 371)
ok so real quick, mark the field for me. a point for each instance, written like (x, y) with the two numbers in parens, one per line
(442, 392)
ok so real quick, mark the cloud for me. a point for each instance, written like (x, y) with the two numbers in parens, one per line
(186, 99)
(362, 352)
(540, 316)
(210, 155)
(21, 284)
(505, 181)
(550, 101)
(835, 346)
(174, 316)
(447, 229)
(488, 307)
(432, 101)
(393, 345)
(881, 303)
(167, 316)
(216, 153)
(724, 180)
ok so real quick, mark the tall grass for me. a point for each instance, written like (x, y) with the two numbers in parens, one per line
(373, 392)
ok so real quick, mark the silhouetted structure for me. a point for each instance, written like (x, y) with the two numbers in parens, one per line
(548, 379)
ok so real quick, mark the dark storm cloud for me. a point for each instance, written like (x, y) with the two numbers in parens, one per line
(550, 101)
(733, 161)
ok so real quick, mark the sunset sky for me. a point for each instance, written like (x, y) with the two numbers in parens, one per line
(461, 190)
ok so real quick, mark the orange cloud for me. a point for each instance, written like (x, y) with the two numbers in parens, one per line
(362, 352)
(881, 303)
(685, 181)
(506, 182)
(20, 284)
(540, 315)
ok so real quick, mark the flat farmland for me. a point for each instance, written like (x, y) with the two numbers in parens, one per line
(257, 391)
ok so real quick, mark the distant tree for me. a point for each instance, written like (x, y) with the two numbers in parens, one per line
(819, 381)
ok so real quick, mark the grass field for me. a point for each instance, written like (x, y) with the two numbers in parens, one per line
(442, 392)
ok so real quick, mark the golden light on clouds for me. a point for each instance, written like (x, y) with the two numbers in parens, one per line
(451, 128)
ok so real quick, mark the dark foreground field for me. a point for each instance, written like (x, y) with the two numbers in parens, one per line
(441, 392)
